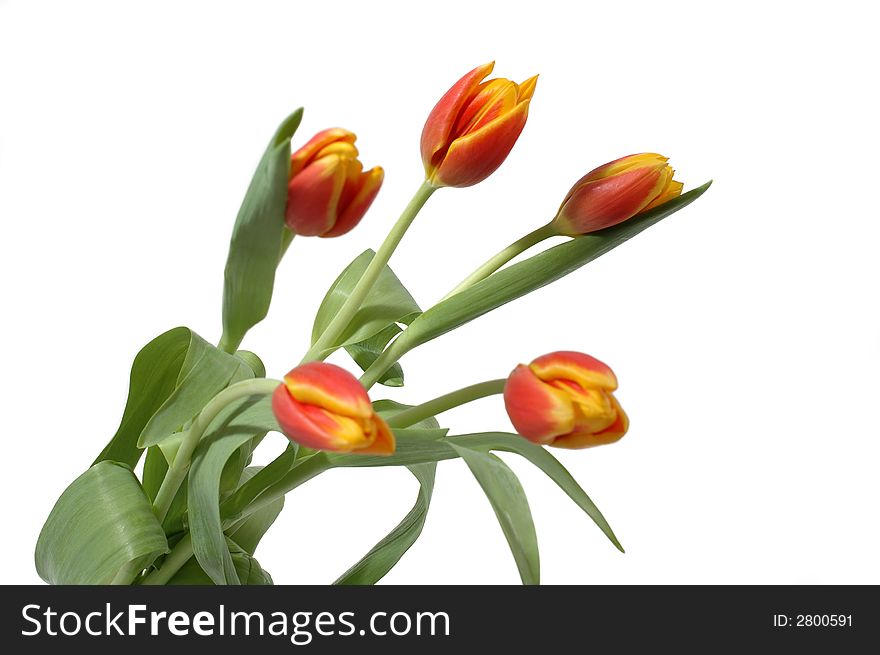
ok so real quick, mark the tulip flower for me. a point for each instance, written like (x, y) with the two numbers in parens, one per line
(616, 192)
(470, 132)
(329, 192)
(565, 399)
(323, 406)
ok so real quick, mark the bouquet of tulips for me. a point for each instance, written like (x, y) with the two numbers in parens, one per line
(196, 413)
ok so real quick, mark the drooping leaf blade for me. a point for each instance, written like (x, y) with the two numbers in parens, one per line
(508, 500)
(102, 523)
(420, 447)
(414, 446)
(256, 243)
(373, 566)
(551, 466)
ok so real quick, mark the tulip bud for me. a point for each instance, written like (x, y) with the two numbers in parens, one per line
(565, 399)
(616, 192)
(323, 406)
(329, 192)
(470, 132)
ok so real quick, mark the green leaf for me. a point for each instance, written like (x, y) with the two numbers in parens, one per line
(533, 273)
(247, 569)
(373, 566)
(254, 363)
(256, 244)
(268, 475)
(506, 495)
(414, 446)
(387, 303)
(365, 352)
(102, 523)
(231, 430)
(388, 408)
(541, 458)
(249, 532)
(205, 372)
(154, 375)
(418, 447)
(155, 468)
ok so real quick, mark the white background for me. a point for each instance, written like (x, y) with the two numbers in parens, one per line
(744, 330)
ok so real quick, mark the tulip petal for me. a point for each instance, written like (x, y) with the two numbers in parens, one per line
(313, 146)
(593, 409)
(311, 426)
(313, 196)
(595, 205)
(586, 371)
(472, 158)
(527, 88)
(586, 439)
(640, 160)
(383, 439)
(673, 190)
(329, 387)
(366, 188)
(435, 135)
(494, 98)
(538, 411)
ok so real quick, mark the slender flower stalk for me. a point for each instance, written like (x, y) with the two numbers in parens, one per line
(179, 555)
(500, 259)
(397, 349)
(446, 402)
(326, 342)
(126, 574)
(179, 467)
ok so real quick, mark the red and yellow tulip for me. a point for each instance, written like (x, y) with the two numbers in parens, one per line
(565, 399)
(470, 132)
(323, 406)
(616, 192)
(329, 192)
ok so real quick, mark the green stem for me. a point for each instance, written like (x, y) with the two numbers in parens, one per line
(183, 550)
(227, 344)
(446, 402)
(516, 248)
(179, 467)
(299, 474)
(178, 556)
(398, 348)
(126, 574)
(325, 343)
